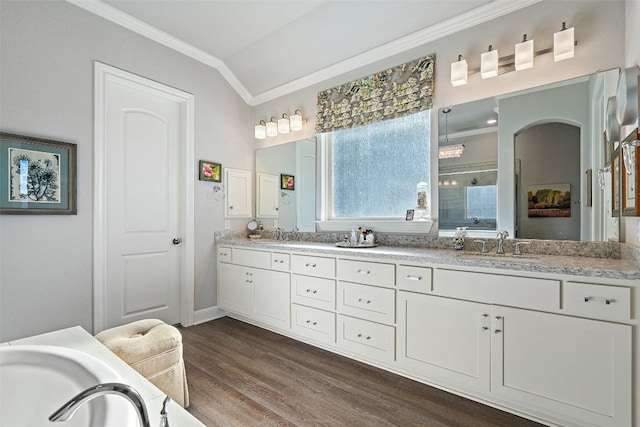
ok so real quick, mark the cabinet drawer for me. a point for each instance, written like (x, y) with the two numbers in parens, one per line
(369, 273)
(527, 292)
(251, 258)
(598, 301)
(224, 254)
(313, 323)
(367, 302)
(371, 340)
(313, 266)
(415, 279)
(280, 261)
(313, 291)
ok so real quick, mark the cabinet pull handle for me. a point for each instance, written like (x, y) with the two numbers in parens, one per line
(281, 261)
(498, 330)
(417, 278)
(366, 302)
(368, 337)
(313, 323)
(310, 265)
(598, 299)
(484, 319)
(361, 271)
(230, 208)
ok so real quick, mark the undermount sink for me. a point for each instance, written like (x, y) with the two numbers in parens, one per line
(499, 257)
(36, 380)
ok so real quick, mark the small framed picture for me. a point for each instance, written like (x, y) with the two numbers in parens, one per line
(38, 176)
(409, 216)
(287, 182)
(210, 171)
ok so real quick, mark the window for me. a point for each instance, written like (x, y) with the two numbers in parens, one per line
(372, 171)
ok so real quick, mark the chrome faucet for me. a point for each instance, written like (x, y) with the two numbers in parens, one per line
(69, 409)
(501, 236)
(279, 234)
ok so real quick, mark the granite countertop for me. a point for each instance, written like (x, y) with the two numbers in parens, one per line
(624, 269)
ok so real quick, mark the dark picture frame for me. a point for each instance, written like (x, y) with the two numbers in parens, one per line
(409, 216)
(209, 171)
(37, 176)
(287, 182)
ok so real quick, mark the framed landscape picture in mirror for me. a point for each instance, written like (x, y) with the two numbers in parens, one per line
(37, 176)
(630, 176)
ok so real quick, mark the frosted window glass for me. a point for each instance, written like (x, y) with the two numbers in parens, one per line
(481, 202)
(375, 168)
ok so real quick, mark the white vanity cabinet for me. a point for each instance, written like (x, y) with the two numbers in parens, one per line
(259, 293)
(566, 367)
(554, 347)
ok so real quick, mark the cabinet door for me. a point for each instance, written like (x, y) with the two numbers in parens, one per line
(271, 298)
(267, 195)
(234, 288)
(576, 368)
(444, 339)
(238, 193)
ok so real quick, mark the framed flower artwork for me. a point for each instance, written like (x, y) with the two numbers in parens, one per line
(287, 182)
(210, 171)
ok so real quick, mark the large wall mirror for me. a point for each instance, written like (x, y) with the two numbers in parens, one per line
(290, 204)
(529, 163)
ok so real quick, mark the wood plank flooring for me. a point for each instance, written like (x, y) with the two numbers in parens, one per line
(241, 375)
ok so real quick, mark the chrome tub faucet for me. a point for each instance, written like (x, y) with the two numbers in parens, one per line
(69, 409)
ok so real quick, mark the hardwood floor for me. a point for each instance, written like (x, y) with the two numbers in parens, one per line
(241, 375)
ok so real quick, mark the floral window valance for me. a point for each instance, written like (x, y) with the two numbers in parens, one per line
(395, 92)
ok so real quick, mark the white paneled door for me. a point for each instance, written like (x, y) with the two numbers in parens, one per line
(143, 205)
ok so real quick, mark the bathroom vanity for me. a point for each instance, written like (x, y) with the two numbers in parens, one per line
(551, 338)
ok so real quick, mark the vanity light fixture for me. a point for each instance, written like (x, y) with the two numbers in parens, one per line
(261, 130)
(563, 43)
(459, 72)
(295, 121)
(524, 54)
(492, 121)
(489, 63)
(272, 127)
(283, 124)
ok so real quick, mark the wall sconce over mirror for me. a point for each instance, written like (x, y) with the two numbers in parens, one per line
(283, 125)
(491, 64)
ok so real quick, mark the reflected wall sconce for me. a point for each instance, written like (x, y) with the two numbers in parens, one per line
(491, 64)
(283, 125)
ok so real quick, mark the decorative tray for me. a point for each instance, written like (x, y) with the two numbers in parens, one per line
(358, 246)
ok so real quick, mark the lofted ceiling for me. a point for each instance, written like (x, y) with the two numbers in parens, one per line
(268, 48)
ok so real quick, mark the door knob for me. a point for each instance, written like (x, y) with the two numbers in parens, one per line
(176, 241)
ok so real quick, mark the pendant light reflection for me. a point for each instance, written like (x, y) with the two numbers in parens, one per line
(449, 151)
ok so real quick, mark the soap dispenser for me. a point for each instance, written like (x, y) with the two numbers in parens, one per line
(458, 238)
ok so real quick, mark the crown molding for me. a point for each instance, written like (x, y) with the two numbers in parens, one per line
(445, 28)
(463, 21)
(127, 21)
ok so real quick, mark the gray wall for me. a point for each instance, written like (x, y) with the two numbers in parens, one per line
(549, 154)
(47, 49)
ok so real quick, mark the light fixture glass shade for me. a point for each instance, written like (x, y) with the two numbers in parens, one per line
(261, 130)
(272, 127)
(459, 71)
(628, 155)
(283, 124)
(450, 151)
(524, 55)
(489, 64)
(563, 44)
(295, 121)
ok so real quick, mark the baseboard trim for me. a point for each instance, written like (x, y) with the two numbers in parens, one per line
(207, 314)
